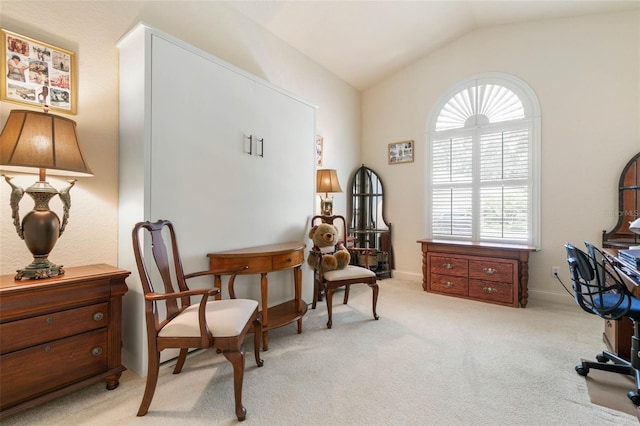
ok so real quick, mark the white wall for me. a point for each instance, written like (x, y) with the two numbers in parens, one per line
(92, 29)
(585, 73)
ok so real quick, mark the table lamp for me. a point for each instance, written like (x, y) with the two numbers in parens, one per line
(34, 142)
(327, 181)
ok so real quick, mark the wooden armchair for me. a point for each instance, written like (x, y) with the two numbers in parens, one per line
(221, 324)
(327, 282)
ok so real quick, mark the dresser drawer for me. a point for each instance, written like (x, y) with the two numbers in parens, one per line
(44, 328)
(287, 260)
(449, 266)
(491, 291)
(490, 270)
(449, 284)
(27, 373)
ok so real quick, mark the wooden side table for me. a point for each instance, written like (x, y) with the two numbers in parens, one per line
(59, 334)
(262, 260)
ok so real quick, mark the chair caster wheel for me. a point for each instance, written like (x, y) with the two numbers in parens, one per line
(602, 358)
(634, 397)
(583, 371)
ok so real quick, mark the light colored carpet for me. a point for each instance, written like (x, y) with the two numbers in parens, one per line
(429, 360)
(610, 390)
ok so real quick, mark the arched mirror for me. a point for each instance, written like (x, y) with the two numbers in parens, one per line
(628, 207)
(368, 226)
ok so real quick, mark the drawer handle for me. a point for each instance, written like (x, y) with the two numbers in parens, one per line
(49, 320)
(47, 349)
(289, 260)
(97, 351)
(490, 271)
(489, 290)
(448, 284)
(609, 325)
(98, 316)
(447, 266)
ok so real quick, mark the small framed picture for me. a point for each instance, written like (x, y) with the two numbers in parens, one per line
(37, 74)
(319, 147)
(401, 152)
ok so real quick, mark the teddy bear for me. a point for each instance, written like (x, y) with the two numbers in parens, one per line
(327, 249)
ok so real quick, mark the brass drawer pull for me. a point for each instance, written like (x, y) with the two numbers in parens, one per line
(448, 284)
(98, 316)
(47, 349)
(490, 271)
(447, 266)
(97, 351)
(489, 290)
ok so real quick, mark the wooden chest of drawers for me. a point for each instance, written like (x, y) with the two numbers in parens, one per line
(59, 334)
(489, 273)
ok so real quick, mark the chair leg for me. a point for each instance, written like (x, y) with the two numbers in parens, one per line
(152, 380)
(257, 340)
(181, 359)
(346, 294)
(328, 295)
(316, 293)
(237, 361)
(375, 289)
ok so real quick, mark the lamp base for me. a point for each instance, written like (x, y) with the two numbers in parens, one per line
(39, 269)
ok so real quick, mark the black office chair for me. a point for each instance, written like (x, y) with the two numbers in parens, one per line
(599, 290)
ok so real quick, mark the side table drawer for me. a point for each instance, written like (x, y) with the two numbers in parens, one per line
(45, 328)
(38, 370)
(287, 260)
(449, 284)
(491, 290)
(491, 271)
(255, 264)
(449, 266)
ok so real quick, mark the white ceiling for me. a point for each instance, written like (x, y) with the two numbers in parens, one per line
(364, 41)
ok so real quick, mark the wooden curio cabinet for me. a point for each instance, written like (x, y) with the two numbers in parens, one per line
(368, 226)
(621, 237)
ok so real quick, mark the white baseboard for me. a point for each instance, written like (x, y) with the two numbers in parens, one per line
(553, 297)
(411, 276)
(542, 296)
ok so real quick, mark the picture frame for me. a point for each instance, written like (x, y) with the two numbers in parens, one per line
(401, 152)
(35, 73)
(319, 150)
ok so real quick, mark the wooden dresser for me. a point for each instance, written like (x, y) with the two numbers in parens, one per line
(494, 273)
(59, 334)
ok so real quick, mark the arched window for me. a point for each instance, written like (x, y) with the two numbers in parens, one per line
(483, 162)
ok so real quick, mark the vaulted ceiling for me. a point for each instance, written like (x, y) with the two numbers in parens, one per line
(364, 41)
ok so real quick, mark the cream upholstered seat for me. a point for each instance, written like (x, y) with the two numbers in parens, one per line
(351, 272)
(220, 324)
(224, 318)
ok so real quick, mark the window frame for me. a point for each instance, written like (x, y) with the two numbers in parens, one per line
(532, 119)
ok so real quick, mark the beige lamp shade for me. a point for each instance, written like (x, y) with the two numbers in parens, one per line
(32, 140)
(327, 181)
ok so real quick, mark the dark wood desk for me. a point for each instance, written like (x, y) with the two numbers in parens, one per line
(262, 260)
(617, 333)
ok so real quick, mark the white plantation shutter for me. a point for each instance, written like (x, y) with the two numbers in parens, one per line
(483, 171)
